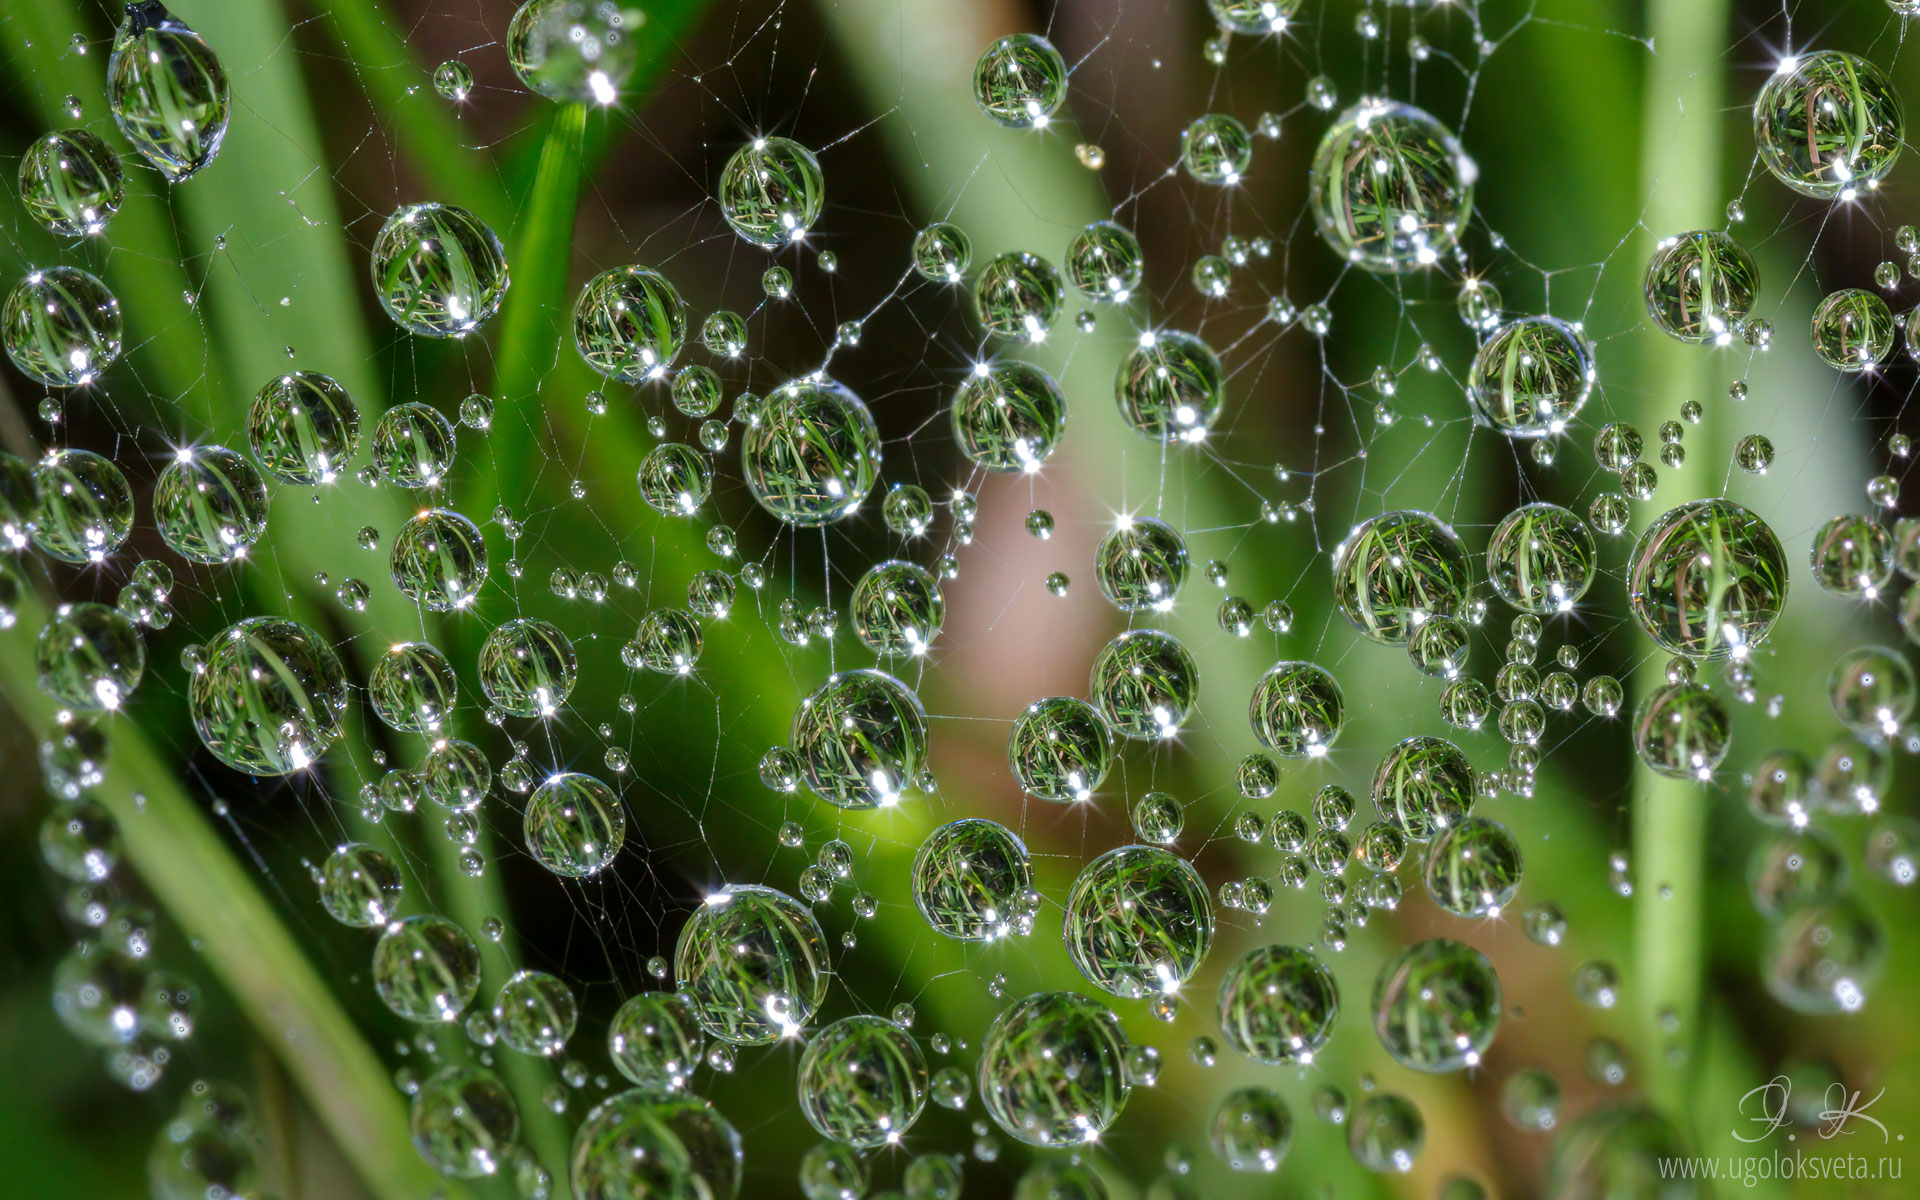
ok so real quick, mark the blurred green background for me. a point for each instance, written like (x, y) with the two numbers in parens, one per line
(1598, 126)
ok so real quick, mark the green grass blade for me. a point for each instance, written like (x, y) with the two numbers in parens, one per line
(212, 895)
(668, 22)
(1680, 171)
(301, 254)
(534, 323)
(280, 244)
(1696, 1073)
(531, 355)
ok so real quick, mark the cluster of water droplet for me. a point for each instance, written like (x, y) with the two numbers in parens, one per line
(1390, 192)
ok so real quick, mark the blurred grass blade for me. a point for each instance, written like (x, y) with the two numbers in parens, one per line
(286, 244)
(534, 324)
(299, 254)
(668, 21)
(570, 153)
(428, 137)
(1680, 173)
(212, 896)
(536, 309)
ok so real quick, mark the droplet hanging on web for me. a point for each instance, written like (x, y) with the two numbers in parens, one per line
(167, 91)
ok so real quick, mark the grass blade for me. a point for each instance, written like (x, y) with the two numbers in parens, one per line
(212, 896)
(1680, 171)
(535, 320)
(302, 255)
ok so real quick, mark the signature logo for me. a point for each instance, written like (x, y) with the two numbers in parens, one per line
(1766, 1106)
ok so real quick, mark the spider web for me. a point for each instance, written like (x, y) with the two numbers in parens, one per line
(1309, 445)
